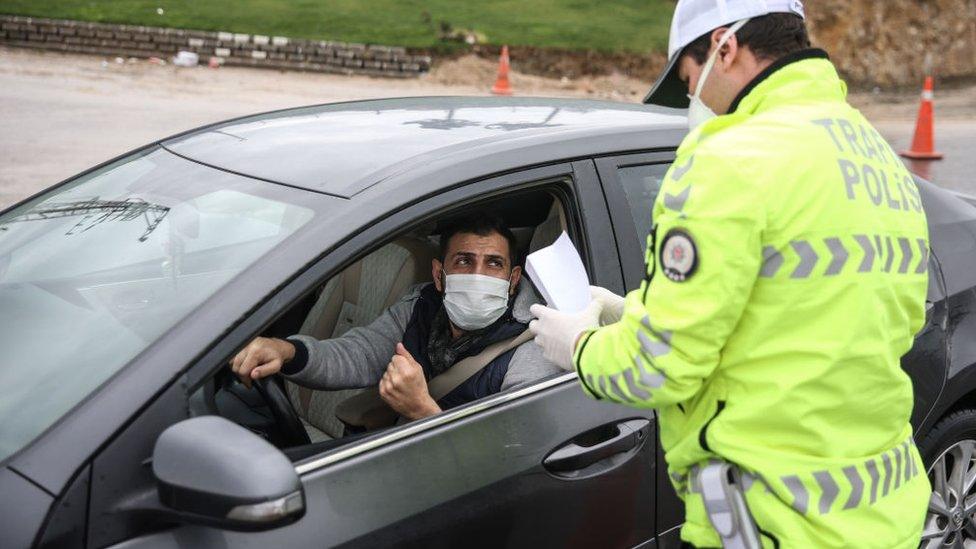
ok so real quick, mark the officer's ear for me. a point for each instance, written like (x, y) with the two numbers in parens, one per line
(729, 50)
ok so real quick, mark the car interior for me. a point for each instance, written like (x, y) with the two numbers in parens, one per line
(357, 295)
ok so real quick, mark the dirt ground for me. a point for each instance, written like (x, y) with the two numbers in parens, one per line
(60, 114)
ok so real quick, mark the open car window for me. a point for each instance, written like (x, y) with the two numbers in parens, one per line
(342, 311)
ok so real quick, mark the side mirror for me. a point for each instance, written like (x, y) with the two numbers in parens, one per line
(211, 471)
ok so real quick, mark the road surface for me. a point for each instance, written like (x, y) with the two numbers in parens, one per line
(61, 114)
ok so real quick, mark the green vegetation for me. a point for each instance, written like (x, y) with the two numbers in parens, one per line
(610, 26)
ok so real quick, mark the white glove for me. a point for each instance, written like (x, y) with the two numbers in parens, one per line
(613, 305)
(556, 331)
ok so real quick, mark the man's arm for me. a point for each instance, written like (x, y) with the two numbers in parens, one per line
(706, 258)
(528, 365)
(356, 359)
(359, 357)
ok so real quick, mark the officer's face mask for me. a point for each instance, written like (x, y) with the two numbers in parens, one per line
(474, 301)
(698, 111)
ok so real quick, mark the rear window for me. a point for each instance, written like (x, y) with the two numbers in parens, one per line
(641, 186)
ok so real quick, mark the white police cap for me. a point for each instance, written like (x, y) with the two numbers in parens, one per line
(695, 18)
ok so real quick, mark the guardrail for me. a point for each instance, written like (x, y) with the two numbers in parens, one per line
(274, 52)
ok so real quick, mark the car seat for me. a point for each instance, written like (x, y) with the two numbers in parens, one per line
(549, 230)
(354, 298)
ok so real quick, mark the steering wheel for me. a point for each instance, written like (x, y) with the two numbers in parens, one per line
(290, 431)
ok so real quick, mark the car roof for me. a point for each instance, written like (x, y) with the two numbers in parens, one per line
(343, 148)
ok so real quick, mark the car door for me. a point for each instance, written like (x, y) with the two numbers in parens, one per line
(539, 466)
(631, 184)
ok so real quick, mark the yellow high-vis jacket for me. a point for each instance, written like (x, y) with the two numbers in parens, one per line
(786, 277)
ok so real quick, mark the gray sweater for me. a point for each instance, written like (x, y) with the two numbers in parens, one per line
(359, 357)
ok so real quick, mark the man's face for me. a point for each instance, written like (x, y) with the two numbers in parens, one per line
(468, 253)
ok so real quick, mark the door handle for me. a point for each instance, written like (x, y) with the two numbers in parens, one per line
(582, 452)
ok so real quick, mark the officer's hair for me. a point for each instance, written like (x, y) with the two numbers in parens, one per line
(769, 38)
(481, 224)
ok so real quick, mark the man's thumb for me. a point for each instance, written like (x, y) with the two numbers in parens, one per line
(402, 351)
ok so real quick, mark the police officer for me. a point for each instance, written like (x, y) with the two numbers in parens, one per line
(786, 276)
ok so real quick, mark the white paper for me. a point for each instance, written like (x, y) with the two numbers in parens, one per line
(558, 272)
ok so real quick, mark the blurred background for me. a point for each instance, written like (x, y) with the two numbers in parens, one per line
(82, 81)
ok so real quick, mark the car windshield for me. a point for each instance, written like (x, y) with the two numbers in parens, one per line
(93, 272)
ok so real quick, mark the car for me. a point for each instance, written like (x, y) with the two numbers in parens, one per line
(125, 291)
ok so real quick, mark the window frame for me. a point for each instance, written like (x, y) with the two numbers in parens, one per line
(630, 250)
(577, 186)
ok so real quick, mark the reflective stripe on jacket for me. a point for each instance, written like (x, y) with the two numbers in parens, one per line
(786, 278)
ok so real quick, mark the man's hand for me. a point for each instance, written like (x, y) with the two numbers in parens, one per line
(404, 388)
(262, 357)
(613, 304)
(558, 332)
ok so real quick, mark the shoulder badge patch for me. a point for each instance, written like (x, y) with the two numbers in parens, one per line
(679, 256)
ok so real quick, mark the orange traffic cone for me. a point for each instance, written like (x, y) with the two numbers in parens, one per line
(502, 87)
(923, 146)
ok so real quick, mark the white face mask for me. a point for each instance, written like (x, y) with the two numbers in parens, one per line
(698, 111)
(474, 301)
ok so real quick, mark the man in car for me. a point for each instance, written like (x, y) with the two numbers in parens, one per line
(475, 300)
(786, 276)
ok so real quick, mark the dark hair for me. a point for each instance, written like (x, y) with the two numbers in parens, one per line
(769, 37)
(481, 224)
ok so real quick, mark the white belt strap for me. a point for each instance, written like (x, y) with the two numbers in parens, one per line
(721, 488)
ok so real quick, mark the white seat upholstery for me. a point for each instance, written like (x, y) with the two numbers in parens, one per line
(549, 230)
(354, 298)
